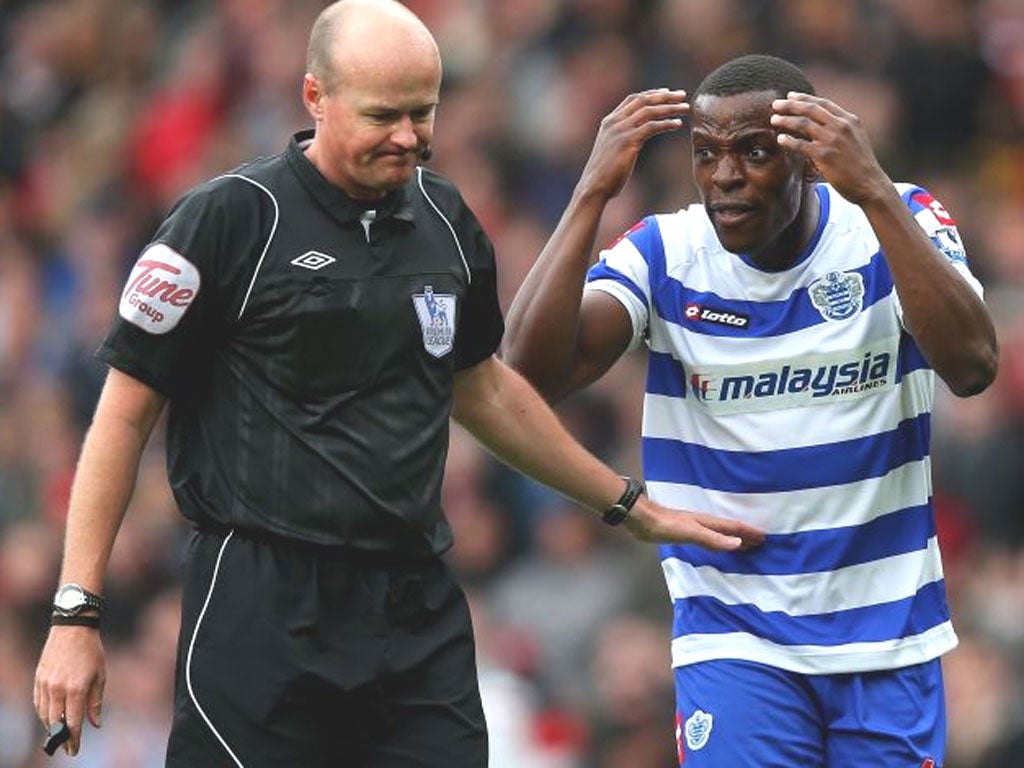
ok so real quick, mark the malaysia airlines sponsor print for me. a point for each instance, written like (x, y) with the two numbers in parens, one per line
(805, 380)
(162, 285)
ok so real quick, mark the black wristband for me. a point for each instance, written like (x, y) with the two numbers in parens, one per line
(619, 511)
(81, 620)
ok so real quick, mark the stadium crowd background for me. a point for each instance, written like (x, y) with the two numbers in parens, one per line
(109, 109)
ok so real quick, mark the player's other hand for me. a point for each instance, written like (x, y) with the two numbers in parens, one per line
(623, 133)
(836, 142)
(652, 522)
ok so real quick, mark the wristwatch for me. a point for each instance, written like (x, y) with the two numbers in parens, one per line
(72, 599)
(619, 511)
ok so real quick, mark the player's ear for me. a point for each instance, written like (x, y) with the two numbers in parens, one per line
(811, 173)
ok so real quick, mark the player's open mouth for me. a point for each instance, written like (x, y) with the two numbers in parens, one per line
(727, 215)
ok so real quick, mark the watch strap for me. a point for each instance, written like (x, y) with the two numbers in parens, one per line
(619, 511)
(91, 620)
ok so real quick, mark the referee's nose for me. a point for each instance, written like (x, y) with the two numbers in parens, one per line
(404, 134)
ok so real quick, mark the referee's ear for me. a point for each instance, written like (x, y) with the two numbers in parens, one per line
(312, 96)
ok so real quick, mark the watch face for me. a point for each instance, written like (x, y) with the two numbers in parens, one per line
(69, 598)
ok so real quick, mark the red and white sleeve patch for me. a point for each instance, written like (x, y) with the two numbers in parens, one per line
(160, 289)
(938, 209)
(635, 228)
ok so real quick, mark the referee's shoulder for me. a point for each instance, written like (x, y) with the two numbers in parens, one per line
(439, 189)
(247, 186)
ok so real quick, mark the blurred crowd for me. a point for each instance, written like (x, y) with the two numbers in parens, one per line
(109, 109)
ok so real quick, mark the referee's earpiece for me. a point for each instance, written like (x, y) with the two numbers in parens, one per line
(426, 153)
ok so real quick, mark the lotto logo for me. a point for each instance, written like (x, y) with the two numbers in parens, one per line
(697, 312)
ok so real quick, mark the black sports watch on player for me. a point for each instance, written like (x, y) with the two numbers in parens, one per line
(619, 511)
(72, 599)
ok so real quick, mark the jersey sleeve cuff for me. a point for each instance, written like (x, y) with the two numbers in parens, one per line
(125, 363)
(637, 312)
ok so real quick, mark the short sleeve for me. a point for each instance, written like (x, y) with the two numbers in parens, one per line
(941, 229)
(480, 324)
(622, 271)
(179, 293)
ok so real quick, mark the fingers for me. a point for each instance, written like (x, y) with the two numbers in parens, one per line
(714, 540)
(54, 713)
(95, 709)
(750, 536)
(655, 105)
(800, 120)
(74, 711)
(661, 524)
(65, 697)
(805, 117)
(827, 104)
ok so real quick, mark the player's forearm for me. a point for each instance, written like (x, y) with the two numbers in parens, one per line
(542, 324)
(948, 320)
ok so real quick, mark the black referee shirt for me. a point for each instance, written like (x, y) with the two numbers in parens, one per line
(308, 351)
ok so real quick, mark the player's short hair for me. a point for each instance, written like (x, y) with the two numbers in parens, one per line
(755, 72)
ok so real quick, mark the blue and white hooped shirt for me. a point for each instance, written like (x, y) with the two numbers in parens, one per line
(798, 402)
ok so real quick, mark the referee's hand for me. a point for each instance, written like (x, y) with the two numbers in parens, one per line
(69, 681)
(648, 521)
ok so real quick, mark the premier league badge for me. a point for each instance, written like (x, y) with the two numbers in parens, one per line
(838, 295)
(436, 312)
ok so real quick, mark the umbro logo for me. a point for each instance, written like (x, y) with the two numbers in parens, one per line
(313, 260)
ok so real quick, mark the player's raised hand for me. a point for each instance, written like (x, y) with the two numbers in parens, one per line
(652, 522)
(835, 140)
(623, 133)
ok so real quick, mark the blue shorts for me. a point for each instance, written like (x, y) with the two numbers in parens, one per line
(745, 715)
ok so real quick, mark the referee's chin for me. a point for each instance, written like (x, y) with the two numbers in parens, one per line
(395, 177)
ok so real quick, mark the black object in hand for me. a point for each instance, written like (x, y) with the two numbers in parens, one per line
(56, 735)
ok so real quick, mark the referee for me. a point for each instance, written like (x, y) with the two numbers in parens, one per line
(313, 320)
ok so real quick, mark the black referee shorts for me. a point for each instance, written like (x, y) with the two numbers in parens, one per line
(294, 655)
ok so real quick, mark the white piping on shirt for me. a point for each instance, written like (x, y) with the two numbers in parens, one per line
(273, 230)
(419, 180)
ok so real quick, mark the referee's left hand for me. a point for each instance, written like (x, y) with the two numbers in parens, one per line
(69, 681)
(652, 522)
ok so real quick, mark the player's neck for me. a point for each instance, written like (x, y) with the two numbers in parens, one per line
(792, 243)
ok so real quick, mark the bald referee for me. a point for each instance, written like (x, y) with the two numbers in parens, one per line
(312, 320)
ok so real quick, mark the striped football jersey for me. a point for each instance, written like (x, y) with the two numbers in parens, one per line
(797, 401)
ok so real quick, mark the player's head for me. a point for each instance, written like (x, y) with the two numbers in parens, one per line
(754, 72)
(753, 190)
(372, 84)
